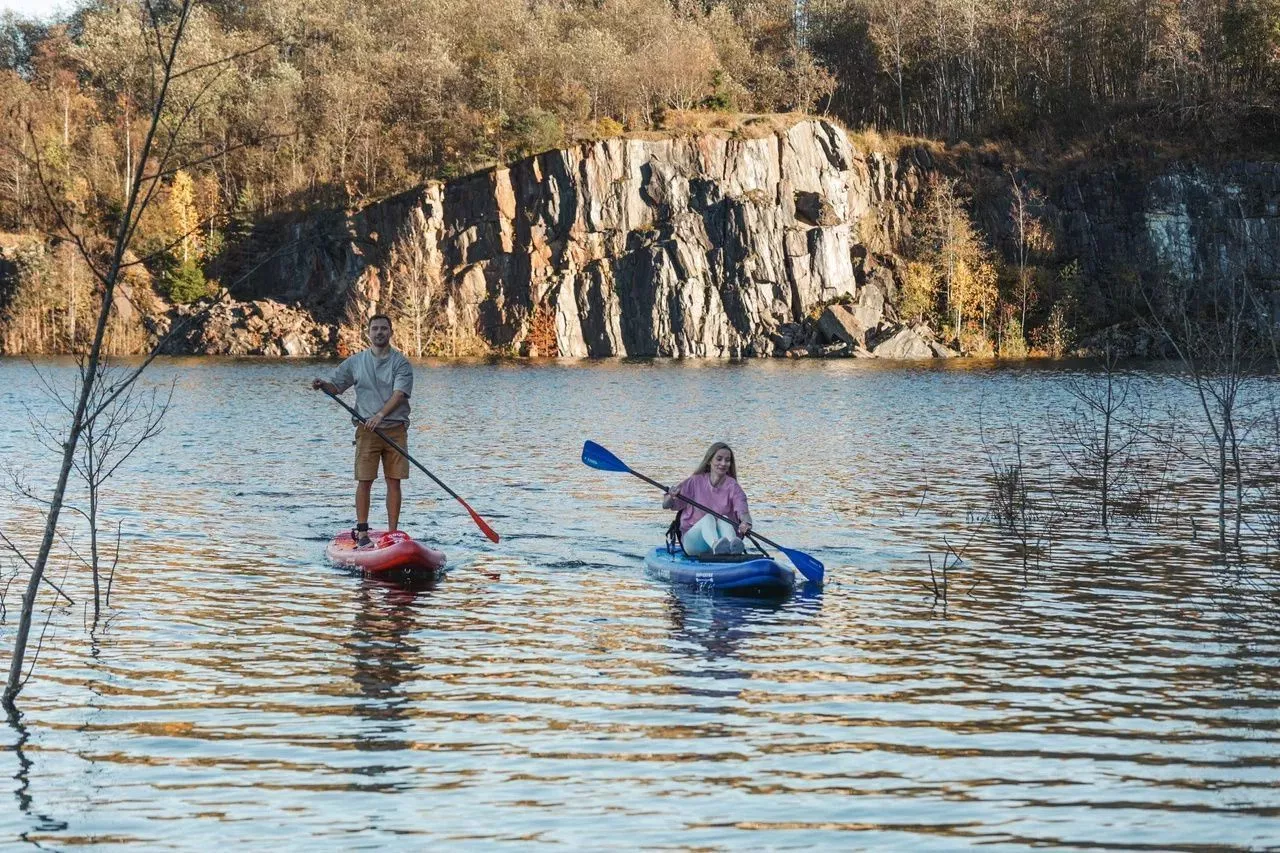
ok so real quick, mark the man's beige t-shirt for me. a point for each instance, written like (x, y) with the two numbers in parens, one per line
(376, 379)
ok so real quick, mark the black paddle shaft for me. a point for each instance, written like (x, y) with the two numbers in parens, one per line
(752, 536)
(488, 531)
(382, 435)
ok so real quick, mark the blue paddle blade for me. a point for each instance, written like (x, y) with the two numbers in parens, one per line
(812, 570)
(597, 457)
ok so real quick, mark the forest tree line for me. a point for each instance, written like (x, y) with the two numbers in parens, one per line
(338, 104)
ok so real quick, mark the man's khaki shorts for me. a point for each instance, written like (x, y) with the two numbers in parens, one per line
(370, 448)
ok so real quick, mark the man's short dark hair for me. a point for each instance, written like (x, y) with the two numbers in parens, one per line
(379, 317)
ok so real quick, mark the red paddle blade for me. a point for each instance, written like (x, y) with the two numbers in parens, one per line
(480, 522)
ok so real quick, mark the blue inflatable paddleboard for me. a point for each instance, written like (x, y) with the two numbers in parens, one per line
(747, 573)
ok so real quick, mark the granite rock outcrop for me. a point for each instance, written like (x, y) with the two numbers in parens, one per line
(725, 244)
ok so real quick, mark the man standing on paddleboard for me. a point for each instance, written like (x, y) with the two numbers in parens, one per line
(383, 379)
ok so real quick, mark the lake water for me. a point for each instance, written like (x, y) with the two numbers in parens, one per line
(1117, 692)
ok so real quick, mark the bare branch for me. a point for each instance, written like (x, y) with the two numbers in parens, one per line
(114, 561)
(119, 387)
(16, 681)
(63, 223)
(190, 163)
(40, 642)
(9, 543)
(231, 58)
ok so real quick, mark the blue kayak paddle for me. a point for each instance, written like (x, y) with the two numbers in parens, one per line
(597, 457)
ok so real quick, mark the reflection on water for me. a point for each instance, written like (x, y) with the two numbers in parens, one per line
(384, 648)
(39, 823)
(548, 691)
(716, 624)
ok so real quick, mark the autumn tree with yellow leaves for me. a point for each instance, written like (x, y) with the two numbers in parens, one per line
(953, 272)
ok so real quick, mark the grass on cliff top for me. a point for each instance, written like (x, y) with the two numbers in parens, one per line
(678, 124)
(675, 124)
(1043, 151)
(739, 125)
(1129, 137)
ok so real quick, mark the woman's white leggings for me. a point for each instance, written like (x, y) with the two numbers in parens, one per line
(703, 536)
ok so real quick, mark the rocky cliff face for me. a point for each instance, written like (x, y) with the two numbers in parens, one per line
(678, 247)
(712, 246)
(1191, 222)
(327, 263)
(709, 246)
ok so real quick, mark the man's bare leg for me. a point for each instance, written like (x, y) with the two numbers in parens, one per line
(393, 505)
(363, 489)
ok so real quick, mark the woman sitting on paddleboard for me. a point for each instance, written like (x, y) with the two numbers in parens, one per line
(714, 485)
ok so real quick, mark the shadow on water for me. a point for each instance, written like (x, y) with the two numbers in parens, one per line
(403, 588)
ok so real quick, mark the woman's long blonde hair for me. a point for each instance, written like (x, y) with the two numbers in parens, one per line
(705, 466)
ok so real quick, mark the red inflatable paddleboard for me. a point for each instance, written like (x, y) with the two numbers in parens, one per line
(389, 551)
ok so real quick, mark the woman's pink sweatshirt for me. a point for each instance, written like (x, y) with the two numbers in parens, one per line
(728, 499)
